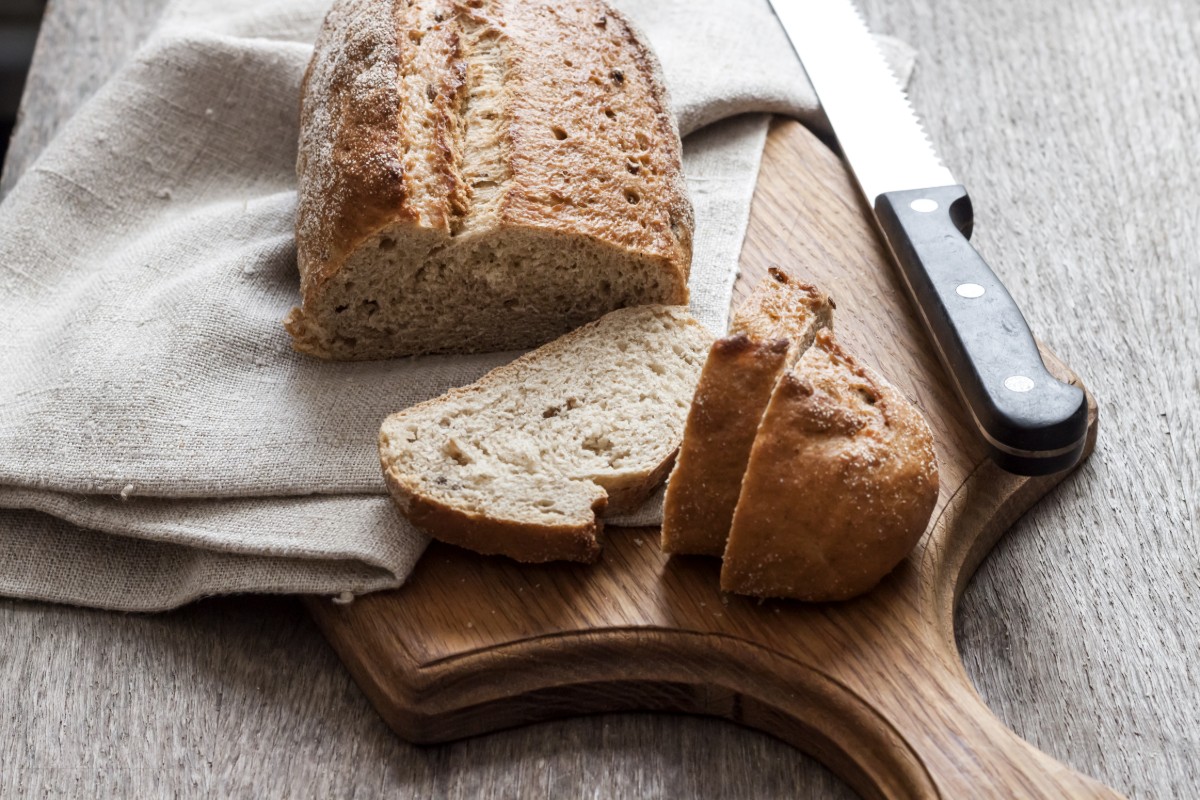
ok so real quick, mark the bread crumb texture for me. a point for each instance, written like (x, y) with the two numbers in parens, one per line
(521, 462)
(482, 175)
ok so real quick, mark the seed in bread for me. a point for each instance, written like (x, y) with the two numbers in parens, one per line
(480, 176)
(840, 485)
(769, 331)
(523, 462)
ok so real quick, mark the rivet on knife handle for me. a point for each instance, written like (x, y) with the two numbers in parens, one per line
(1033, 423)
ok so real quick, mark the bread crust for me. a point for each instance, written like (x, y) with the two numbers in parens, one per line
(698, 508)
(374, 157)
(783, 307)
(840, 485)
(531, 544)
(349, 160)
(629, 497)
(770, 330)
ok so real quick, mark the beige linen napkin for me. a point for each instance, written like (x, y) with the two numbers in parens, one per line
(159, 439)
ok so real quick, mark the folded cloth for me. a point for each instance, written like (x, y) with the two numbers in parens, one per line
(159, 439)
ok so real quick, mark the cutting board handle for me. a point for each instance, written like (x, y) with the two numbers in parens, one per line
(912, 673)
(873, 688)
(984, 759)
(923, 705)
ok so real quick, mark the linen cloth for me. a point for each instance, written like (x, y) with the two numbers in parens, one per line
(159, 439)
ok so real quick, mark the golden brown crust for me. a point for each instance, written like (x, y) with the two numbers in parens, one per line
(840, 485)
(618, 179)
(374, 154)
(770, 329)
(532, 544)
(349, 159)
(781, 307)
(738, 375)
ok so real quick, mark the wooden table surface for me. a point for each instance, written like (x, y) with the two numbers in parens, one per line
(1075, 125)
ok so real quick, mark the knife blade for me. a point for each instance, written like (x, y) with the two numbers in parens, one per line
(1031, 423)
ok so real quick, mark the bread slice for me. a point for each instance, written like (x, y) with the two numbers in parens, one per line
(769, 331)
(840, 484)
(480, 176)
(521, 462)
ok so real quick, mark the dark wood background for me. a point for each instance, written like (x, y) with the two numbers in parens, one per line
(1075, 125)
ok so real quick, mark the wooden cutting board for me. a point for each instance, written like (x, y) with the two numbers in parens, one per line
(873, 687)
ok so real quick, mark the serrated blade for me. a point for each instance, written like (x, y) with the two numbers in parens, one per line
(880, 135)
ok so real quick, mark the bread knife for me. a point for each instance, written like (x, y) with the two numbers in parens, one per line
(1032, 423)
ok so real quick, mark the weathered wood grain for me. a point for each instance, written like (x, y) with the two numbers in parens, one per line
(1074, 124)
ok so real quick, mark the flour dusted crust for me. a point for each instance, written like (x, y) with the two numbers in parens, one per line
(769, 331)
(482, 175)
(840, 485)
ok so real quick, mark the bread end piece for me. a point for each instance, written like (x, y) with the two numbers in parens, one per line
(841, 482)
(769, 331)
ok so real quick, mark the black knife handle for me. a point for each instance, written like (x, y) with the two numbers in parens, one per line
(1033, 423)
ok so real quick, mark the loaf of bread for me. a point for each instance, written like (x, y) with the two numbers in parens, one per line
(769, 331)
(840, 485)
(523, 461)
(480, 175)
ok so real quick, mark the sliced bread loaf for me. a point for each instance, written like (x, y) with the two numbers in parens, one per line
(768, 333)
(480, 176)
(839, 487)
(521, 462)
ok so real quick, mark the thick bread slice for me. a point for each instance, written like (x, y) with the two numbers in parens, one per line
(841, 482)
(521, 462)
(482, 175)
(769, 332)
